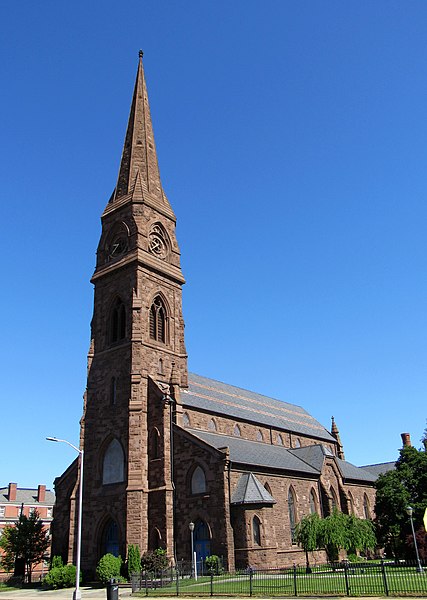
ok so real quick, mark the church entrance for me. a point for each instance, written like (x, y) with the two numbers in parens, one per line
(110, 539)
(202, 541)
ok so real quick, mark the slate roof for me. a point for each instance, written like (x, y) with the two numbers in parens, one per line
(350, 471)
(258, 454)
(380, 468)
(223, 399)
(26, 496)
(315, 455)
(250, 491)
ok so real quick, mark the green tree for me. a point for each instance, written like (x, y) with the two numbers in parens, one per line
(307, 535)
(134, 560)
(27, 542)
(156, 560)
(404, 486)
(109, 568)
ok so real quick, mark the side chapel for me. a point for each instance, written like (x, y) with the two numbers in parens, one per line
(164, 447)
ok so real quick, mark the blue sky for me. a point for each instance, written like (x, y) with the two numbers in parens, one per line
(292, 142)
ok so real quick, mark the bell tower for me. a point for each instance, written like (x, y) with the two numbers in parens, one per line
(137, 359)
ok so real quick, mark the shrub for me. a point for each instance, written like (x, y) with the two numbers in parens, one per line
(56, 562)
(213, 564)
(134, 560)
(61, 577)
(156, 560)
(109, 568)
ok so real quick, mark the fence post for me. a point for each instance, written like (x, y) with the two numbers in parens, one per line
(212, 583)
(250, 580)
(295, 580)
(347, 587)
(387, 593)
(177, 581)
(146, 584)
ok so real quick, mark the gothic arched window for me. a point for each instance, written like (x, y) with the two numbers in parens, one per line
(313, 502)
(113, 468)
(198, 481)
(113, 391)
(118, 322)
(212, 425)
(256, 530)
(186, 420)
(155, 444)
(292, 513)
(259, 436)
(279, 440)
(351, 503)
(236, 431)
(334, 500)
(110, 538)
(366, 507)
(158, 320)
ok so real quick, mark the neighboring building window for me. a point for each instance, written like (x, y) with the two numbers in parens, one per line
(256, 530)
(236, 431)
(186, 420)
(313, 502)
(118, 322)
(292, 513)
(259, 436)
(279, 440)
(155, 444)
(114, 463)
(366, 507)
(158, 321)
(113, 391)
(2, 511)
(49, 512)
(212, 425)
(198, 481)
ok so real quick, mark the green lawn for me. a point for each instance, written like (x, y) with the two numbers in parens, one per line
(326, 582)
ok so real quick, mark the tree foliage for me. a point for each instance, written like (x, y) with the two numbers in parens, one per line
(134, 560)
(156, 560)
(27, 542)
(108, 568)
(404, 486)
(336, 532)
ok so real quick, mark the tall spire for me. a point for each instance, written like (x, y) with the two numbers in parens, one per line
(138, 166)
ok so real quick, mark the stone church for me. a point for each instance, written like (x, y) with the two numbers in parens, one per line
(163, 447)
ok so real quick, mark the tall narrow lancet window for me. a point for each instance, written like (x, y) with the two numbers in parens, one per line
(236, 431)
(334, 500)
(111, 538)
(366, 507)
(158, 321)
(279, 440)
(292, 513)
(212, 425)
(313, 502)
(118, 322)
(113, 391)
(256, 530)
(155, 444)
(351, 503)
(113, 468)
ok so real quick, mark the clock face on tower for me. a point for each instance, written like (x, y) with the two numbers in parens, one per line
(157, 242)
(118, 246)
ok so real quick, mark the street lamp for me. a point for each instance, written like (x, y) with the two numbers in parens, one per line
(409, 511)
(77, 593)
(193, 569)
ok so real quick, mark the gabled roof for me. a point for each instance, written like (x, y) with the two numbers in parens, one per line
(223, 399)
(250, 491)
(26, 496)
(380, 468)
(259, 454)
(351, 472)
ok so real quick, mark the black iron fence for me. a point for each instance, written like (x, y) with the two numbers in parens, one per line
(343, 579)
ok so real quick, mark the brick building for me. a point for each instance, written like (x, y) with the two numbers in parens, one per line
(164, 447)
(15, 501)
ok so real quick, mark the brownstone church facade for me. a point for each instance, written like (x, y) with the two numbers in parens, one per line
(164, 447)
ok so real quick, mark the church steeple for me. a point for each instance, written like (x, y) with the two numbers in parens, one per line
(139, 170)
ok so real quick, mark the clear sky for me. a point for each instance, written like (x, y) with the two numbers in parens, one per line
(292, 142)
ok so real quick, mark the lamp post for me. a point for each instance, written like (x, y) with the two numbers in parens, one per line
(77, 593)
(409, 511)
(191, 528)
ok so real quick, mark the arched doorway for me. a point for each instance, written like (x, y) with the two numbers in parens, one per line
(202, 540)
(110, 539)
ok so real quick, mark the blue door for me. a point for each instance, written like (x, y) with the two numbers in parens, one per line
(202, 542)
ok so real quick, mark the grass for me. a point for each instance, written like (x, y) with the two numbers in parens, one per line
(361, 581)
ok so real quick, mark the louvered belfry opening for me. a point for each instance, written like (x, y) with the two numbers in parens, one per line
(158, 320)
(118, 321)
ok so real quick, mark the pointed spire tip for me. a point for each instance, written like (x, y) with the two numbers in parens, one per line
(141, 54)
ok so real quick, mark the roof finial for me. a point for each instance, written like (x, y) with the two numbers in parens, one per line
(141, 54)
